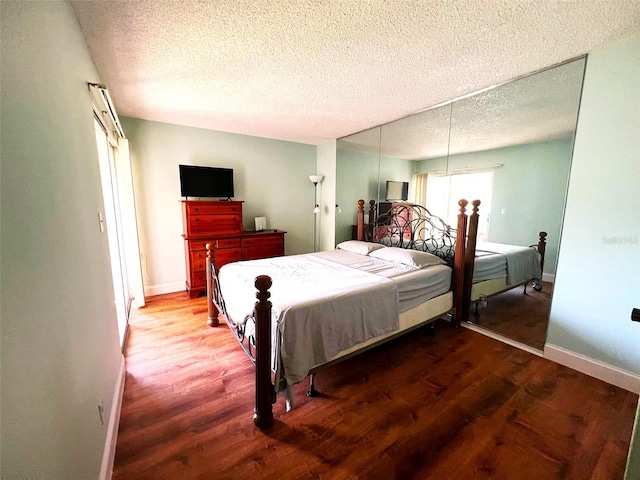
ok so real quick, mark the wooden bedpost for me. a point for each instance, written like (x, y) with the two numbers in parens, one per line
(263, 412)
(458, 263)
(360, 219)
(542, 248)
(372, 212)
(212, 316)
(470, 258)
(371, 226)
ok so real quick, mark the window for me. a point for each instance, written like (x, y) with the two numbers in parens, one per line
(444, 191)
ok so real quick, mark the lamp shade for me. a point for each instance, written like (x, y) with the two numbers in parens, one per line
(315, 178)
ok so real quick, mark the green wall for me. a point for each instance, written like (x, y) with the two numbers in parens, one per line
(270, 176)
(358, 174)
(530, 186)
(598, 276)
(60, 346)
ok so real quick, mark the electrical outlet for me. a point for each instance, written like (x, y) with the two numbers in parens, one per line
(101, 411)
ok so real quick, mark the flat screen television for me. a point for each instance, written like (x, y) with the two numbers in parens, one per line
(206, 182)
(397, 191)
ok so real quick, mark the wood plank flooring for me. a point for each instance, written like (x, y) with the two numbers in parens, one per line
(455, 406)
(523, 318)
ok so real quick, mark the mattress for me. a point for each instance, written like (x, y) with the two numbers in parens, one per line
(489, 266)
(512, 263)
(313, 294)
(415, 286)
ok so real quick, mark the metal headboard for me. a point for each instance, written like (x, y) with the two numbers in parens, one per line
(410, 226)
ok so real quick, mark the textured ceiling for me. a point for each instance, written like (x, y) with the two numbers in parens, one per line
(309, 71)
(536, 108)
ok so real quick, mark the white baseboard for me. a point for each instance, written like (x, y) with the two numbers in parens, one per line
(152, 290)
(548, 277)
(594, 368)
(108, 457)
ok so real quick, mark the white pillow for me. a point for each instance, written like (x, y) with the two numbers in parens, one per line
(412, 258)
(361, 248)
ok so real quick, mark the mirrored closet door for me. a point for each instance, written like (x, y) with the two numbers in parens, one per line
(509, 146)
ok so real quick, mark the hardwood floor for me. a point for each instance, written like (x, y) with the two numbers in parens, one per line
(455, 406)
(523, 318)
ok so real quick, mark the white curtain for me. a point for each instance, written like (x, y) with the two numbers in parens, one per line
(132, 246)
(419, 188)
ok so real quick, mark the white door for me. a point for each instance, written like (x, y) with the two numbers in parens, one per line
(112, 222)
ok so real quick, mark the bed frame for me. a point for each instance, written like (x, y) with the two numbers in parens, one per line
(412, 226)
(491, 290)
(417, 227)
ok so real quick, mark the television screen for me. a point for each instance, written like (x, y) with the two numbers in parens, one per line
(397, 191)
(206, 181)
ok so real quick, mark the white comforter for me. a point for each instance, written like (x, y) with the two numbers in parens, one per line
(320, 307)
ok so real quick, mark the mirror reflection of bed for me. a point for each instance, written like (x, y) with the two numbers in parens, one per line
(509, 146)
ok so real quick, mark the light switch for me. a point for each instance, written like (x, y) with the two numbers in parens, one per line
(101, 222)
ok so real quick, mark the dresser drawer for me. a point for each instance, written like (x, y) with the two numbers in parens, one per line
(200, 245)
(222, 208)
(227, 255)
(199, 261)
(266, 240)
(262, 251)
(198, 279)
(221, 255)
(227, 243)
(214, 224)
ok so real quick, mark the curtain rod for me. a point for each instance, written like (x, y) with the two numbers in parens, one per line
(464, 170)
(111, 110)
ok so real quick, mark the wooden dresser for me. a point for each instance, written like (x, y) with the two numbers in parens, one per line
(398, 217)
(220, 224)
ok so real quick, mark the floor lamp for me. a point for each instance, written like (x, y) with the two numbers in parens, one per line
(315, 179)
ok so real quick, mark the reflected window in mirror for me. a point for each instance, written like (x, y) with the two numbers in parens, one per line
(443, 191)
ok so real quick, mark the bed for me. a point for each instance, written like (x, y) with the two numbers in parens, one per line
(499, 267)
(318, 309)
(492, 268)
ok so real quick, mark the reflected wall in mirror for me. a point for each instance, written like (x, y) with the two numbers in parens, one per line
(511, 147)
(357, 176)
(411, 139)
